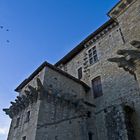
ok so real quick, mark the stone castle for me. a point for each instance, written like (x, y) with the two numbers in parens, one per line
(92, 93)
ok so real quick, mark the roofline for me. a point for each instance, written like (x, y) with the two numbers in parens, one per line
(120, 10)
(80, 46)
(114, 7)
(46, 64)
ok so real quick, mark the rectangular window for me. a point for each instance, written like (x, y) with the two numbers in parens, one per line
(24, 138)
(92, 54)
(80, 73)
(90, 136)
(27, 116)
(97, 87)
(17, 122)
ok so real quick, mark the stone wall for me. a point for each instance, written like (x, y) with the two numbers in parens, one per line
(24, 128)
(59, 83)
(27, 129)
(60, 113)
(60, 118)
(118, 85)
(118, 123)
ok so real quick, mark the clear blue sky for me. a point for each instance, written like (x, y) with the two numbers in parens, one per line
(40, 30)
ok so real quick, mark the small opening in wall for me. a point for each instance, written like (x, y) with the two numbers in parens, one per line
(70, 122)
(80, 73)
(90, 135)
(122, 36)
(27, 119)
(56, 137)
(50, 86)
(89, 114)
(24, 138)
(17, 122)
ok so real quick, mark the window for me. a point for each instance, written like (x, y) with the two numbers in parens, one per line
(93, 58)
(90, 136)
(80, 73)
(17, 122)
(97, 87)
(27, 117)
(24, 138)
(89, 114)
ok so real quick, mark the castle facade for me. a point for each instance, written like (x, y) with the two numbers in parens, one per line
(85, 95)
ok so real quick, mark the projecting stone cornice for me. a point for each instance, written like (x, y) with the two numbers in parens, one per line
(101, 34)
(22, 102)
(40, 93)
(130, 58)
(119, 8)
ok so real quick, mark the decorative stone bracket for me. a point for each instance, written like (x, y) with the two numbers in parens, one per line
(21, 102)
(130, 58)
(40, 93)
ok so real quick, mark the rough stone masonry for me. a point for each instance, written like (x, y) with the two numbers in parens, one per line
(92, 93)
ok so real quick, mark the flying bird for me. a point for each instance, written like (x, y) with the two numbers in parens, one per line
(1, 27)
(7, 30)
(7, 41)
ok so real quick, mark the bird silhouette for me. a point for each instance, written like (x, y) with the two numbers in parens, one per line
(1, 27)
(7, 30)
(8, 41)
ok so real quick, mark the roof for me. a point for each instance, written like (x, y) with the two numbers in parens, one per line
(80, 47)
(46, 64)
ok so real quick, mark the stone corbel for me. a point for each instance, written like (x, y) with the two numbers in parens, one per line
(40, 88)
(130, 55)
(29, 96)
(123, 63)
(8, 112)
(135, 44)
(20, 100)
(33, 92)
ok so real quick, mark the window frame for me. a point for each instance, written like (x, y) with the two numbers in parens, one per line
(97, 87)
(27, 118)
(17, 122)
(80, 73)
(92, 55)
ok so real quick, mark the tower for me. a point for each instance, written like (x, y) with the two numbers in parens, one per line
(51, 105)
